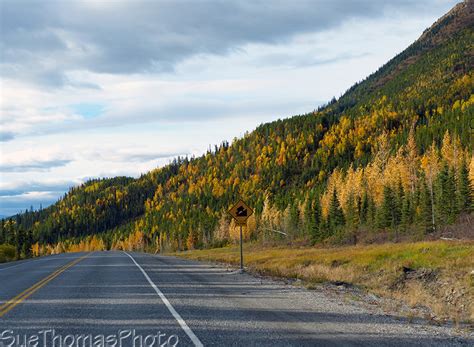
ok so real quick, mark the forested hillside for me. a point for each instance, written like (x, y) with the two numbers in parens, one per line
(392, 156)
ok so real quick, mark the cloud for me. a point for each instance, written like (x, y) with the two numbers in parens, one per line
(144, 157)
(23, 188)
(6, 136)
(133, 155)
(295, 60)
(45, 40)
(11, 205)
(21, 195)
(34, 165)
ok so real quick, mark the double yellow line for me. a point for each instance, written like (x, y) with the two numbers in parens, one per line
(10, 304)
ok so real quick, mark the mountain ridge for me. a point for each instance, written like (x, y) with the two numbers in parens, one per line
(285, 168)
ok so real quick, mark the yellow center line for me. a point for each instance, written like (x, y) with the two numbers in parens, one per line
(34, 286)
(10, 304)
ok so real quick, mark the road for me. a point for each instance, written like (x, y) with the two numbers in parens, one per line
(145, 300)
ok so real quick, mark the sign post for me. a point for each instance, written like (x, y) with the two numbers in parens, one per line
(241, 212)
(241, 251)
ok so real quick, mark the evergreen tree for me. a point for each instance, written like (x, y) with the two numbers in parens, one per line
(317, 232)
(463, 188)
(445, 197)
(323, 227)
(335, 216)
(407, 213)
(2, 231)
(363, 208)
(352, 215)
(424, 219)
(452, 196)
(308, 216)
(352, 218)
(26, 246)
(387, 215)
(294, 217)
(400, 197)
(371, 212)
(19, 241)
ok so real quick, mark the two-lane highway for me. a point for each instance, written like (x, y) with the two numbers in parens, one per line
(116, 298)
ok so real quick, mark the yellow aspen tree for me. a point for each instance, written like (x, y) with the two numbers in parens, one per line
(35, 249)
(382, 149)
(251, 228)
(221, 233)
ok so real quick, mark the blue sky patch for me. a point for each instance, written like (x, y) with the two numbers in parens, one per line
(88, 110)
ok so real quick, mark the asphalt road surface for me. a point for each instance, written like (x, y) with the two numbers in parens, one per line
(134, 299)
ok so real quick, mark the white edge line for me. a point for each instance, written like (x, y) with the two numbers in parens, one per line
(175, 314)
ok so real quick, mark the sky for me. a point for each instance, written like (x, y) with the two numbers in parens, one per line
(104, 88)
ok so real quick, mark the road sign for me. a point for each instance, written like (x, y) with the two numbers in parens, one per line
(241, 212)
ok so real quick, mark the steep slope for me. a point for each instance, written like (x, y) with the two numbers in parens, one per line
(386, 156)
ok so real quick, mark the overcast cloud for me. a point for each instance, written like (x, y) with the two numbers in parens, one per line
(43, 40)
(93, 87)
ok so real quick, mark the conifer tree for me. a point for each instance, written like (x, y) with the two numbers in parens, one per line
(294, 217)
(463, 188)
(424, 217)
(445, 196)
(27, 243)
(308, 216)
(352, 218)
(335, 216)
(371, 212)
(19, 241)
(317, 232)
(363, 208)
(2, 231)
(400, 196)
(386, 214)
(406, 215)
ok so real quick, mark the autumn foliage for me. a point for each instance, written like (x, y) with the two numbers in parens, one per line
(393, 156)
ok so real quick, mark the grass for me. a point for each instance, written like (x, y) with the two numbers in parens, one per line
(449, 292)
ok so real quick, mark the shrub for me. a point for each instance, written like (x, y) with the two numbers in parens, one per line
(7, 253)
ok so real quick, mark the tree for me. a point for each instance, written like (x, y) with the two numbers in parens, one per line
(192, 239)
(446, 203)
(412, 157)
(387, 213)
(352, 217)
(425, 204)
(19, 241)
(363, 208)
(463, 188)
(26, 246)
(2, 231)
(430, 165)
(335, 216)
(294, 217)
(316, 231)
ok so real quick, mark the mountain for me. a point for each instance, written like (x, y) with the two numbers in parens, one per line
(391, 157)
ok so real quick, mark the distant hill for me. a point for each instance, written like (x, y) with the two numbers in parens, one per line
(392, 156)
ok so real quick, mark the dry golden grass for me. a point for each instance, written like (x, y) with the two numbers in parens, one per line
(377, 268)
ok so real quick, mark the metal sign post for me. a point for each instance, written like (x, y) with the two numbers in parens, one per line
(241, 212)
(241, 251)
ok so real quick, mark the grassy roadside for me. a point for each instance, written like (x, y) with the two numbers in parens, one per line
(435, 274)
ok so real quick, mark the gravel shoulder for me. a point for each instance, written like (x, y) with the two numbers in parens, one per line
(342, 314)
